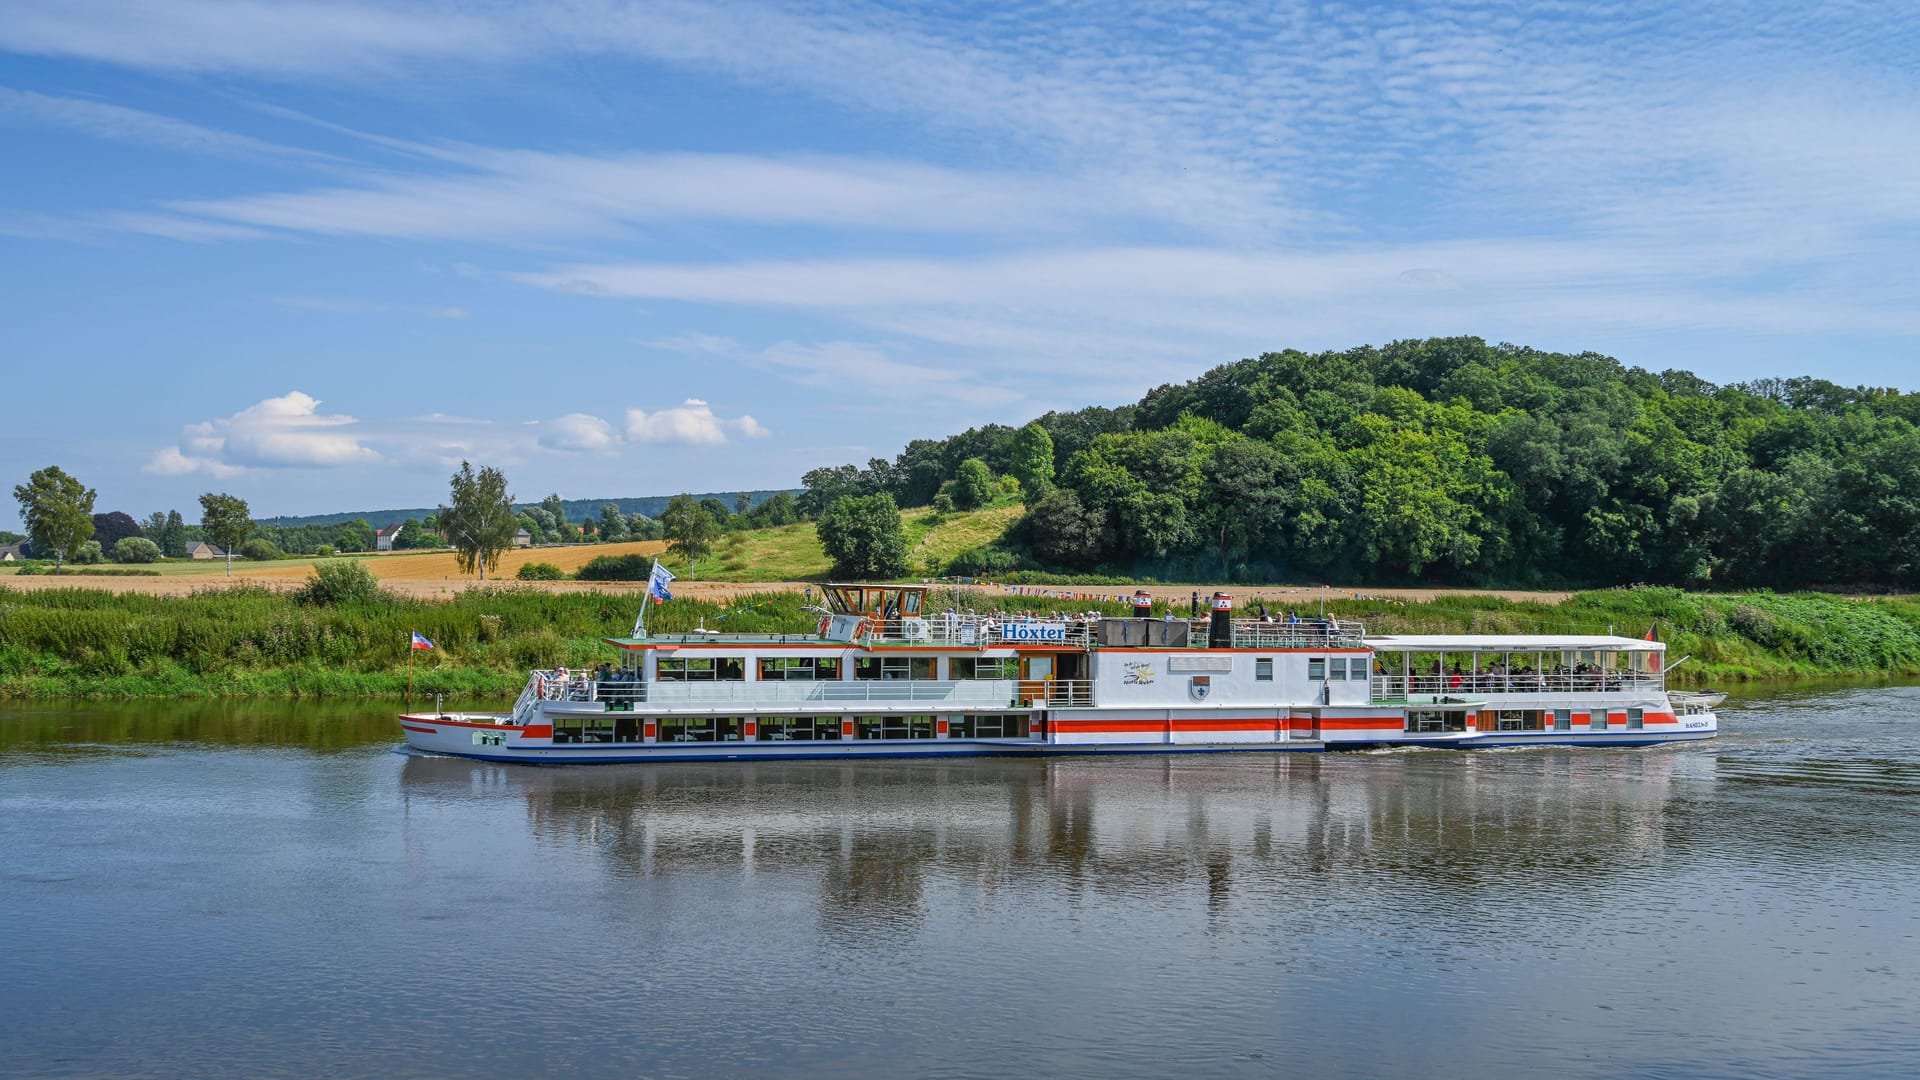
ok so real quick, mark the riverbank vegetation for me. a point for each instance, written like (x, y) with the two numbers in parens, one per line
(347, 641)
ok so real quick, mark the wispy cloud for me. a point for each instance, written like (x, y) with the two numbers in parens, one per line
(119, 123)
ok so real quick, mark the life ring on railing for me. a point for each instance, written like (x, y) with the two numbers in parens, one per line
(825, 622)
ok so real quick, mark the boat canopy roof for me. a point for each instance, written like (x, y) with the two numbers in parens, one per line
(1491, 643)
(874, 601)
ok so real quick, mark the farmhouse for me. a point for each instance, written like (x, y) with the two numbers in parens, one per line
(200, 549)
(13, 552)
(522, 538)
(383, 538)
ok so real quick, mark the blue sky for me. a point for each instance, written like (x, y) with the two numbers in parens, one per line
(316, 253)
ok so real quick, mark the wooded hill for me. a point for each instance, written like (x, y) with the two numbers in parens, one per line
(1450, 460)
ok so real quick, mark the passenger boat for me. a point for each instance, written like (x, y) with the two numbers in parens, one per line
(883, 676)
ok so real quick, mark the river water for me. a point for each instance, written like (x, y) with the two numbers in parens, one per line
(266, 890)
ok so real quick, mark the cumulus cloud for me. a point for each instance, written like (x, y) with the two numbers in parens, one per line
(281, 432)
(693, 424)
(578, 432)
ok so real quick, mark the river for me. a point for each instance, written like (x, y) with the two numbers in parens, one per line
(252, 890)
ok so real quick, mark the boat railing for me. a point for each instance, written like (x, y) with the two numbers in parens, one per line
(1303, 634)
(1408, 687)
(972, 630)
(998, 693)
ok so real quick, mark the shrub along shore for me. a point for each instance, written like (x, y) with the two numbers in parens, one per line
(92, 643)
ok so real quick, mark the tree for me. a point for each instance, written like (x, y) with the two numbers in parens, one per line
(1060, 532)
(1033, 460)
(972, 485)
(864, 538)
(58, 512)
(613, 524)
(717, 510)
(136, 549)
(89, 553)
(226, 521)
(689, 528)
(111, 528)
(260, 549)
(480, 524)
(174, 544)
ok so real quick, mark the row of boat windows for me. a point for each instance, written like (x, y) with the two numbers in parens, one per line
(1335, 669)
(816, 668)
(615, 728)
(1439, 720)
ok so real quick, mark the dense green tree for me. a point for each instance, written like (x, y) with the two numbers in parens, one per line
(226, 521)
(613, 524)
(1032, 463)
(690, 530)
(480, 521)
(136, 549)
(864, 538)
(972, 485)
(58, 512)
(174, 544)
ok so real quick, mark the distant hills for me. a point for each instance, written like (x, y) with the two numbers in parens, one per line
(650, 505)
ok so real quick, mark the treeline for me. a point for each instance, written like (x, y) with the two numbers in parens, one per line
(1455, 461)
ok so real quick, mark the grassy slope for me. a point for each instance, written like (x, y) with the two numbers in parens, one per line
(793, 552)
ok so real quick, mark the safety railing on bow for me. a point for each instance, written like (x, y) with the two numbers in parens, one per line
(1406, 687)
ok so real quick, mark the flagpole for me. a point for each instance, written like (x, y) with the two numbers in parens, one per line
(410, 651)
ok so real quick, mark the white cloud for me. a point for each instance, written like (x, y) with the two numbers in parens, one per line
(282, 432)
(691, 424)
(578, 432)
(116, 122)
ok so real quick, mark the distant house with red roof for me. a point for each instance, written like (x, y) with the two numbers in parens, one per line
(383, 538)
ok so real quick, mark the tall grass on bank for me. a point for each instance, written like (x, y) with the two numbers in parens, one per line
(258, 642)
(243, 642)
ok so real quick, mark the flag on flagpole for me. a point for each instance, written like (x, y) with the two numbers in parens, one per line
(1653, 632)
(657, 583)
(420, 641)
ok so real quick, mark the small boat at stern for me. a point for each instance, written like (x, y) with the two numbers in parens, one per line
(881, 676)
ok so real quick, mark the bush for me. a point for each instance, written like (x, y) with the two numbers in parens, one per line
(943, 503)
(325, 551)
(617, 568)
(983, 562)
(136, 549)
(88, 554)
(336, 583)
(259, 550)
(540, 571)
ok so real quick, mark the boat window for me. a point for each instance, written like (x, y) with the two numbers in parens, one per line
(569, 729)
(1563, 719)
(893, 667)
(1263, 669)
(910, 603)
(968, 667)
(1317, 668)
(685, 729)
(990, 726)
(893, 727)
(700, 669)
(798, 728)
(1436, 720)
(799, 668)
(1636, 719)
(1337, 669)
(1518, 720)
(1597, 721)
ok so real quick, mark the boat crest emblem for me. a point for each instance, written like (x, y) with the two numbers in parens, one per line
(1200, 686)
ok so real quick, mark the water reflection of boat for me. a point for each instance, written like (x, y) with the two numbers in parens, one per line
(875, 835)
(886, 678)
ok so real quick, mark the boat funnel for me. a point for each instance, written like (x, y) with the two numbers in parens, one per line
(1220, 632)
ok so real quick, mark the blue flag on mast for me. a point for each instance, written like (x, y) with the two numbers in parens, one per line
(657, 592)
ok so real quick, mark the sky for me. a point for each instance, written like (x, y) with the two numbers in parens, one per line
(317, 253)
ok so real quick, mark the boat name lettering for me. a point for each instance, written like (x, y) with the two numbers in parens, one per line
(1696, 723)
(1033, 632)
